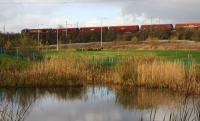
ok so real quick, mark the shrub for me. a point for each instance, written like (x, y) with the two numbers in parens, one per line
(173, 39)
(135, 40)
(152, 40)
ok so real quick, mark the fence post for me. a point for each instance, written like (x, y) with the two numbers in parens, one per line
(33, 56)
(17, 53)
(1, 51)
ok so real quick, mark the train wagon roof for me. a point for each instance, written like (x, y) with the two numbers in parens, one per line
(93, 27)
(90, 29)
(130, 26)
(188, 25)
(126, 26)
(157, 25)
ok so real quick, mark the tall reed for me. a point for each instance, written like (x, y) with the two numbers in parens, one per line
(148, 71)
(152, 72)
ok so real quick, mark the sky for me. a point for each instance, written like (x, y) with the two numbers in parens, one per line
(16, 15)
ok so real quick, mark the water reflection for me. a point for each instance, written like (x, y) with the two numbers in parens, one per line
(13, 107)
(32, 94)
(15, 104)
(86, 103)
(141, 98)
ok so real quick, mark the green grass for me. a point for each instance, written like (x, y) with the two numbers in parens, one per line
(184, 55)
(10, 61)
(110, 56)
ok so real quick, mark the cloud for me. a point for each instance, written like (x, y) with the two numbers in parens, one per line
(179, 10)
(17, 14)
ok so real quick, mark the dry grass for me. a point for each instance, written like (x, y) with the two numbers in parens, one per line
(158, 73)
(153, 40)
(56, 72)
(161, 73)
(148, 71)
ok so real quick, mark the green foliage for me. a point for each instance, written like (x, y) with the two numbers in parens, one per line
(10, 62)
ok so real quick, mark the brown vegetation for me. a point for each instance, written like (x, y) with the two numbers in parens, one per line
(146, 71)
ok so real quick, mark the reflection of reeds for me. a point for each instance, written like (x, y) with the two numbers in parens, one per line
(142, 98)
(15, 104)
(148, 71)
(197, 110)
(185, 112)
(27, 95)
(12, 111)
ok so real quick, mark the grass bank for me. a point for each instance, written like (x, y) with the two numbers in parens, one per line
(182, 55)
(147, 70)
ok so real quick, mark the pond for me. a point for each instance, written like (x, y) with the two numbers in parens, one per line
(92, 103)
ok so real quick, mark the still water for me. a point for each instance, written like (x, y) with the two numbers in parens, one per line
(89, 104)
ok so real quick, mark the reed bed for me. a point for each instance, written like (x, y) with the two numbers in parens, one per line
(153, 72)
(148, 71)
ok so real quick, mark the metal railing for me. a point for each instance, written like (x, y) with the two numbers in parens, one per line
(19, 54)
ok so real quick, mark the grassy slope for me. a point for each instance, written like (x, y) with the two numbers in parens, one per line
(169, 54)
(7, 61)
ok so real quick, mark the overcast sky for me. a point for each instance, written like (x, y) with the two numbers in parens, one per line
(19, 14)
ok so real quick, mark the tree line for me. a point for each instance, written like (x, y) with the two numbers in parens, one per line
(10, 40)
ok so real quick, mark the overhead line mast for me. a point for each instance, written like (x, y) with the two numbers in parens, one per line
(66, 31)
(4, 28)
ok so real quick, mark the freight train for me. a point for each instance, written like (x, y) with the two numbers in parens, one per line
(110, 33)
(130, 28)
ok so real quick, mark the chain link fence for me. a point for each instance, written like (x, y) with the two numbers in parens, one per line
(19, 54)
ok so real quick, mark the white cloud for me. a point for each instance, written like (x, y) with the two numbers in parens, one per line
(18, 14)
(177, 10)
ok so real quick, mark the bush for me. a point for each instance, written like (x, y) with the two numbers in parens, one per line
(173, 39)
(135, 40)
(152, 40)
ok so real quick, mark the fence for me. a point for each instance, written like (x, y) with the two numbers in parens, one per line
(16, 52)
